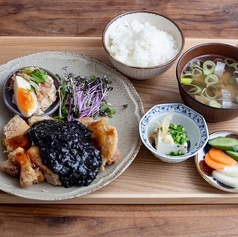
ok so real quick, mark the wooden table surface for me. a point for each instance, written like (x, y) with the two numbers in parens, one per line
(197, 19)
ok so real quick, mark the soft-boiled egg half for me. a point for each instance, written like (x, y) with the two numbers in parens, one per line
(25, 98)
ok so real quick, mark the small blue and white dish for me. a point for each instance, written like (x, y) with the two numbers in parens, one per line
(194, 124)
(204, 170)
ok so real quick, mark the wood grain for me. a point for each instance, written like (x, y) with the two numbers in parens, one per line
(166, 183)
(197, 19)
(117, 220)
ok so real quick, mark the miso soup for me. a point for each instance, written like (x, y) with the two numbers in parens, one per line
(212, 80)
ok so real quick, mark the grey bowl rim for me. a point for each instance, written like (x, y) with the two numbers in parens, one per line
(150, 12)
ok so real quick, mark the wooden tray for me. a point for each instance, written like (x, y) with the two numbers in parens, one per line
(147, 180)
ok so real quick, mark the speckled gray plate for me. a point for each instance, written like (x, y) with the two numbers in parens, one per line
(125, 120)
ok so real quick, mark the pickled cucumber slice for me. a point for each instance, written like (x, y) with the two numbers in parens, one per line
(233, 154)
(224, 143)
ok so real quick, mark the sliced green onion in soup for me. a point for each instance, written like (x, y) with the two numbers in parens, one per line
(208, 67)
(196, 65)
(218, 60)
(236, 66)
(194, 89)
(187, 74)
(230, 62)
(215, 104)
(235, 73)
(186, 80)
(189, 68)
(199, 63)
(207, 92)
(211, 79)
(196, 72)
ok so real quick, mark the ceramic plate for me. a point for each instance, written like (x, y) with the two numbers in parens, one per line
(125, 120)
(194, 124)
(206, 174)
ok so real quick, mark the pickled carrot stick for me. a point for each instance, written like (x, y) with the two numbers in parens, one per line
(221, 157)
(212, 163)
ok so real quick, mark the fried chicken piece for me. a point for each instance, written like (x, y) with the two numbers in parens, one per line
(35, 118)
(14, 134)
(35, 156)
(105, 137)
(115, 157)
(16, 126)
(29, 173)
(9, 167)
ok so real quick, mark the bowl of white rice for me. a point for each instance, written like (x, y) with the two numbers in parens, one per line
(142, 44)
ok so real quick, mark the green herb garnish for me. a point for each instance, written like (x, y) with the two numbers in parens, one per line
(178, 134)
(37, 75)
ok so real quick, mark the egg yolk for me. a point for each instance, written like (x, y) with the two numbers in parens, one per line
(25, 99)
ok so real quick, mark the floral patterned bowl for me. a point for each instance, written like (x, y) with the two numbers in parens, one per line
(194, 124)
(204, 170)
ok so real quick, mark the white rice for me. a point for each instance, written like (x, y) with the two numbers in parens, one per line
(143, 45)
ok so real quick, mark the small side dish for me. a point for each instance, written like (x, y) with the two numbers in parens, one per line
(169, 138)
(217, 163)
(31, 91)
(185, 132)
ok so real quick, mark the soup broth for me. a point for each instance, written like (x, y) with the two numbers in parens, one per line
(212, 80)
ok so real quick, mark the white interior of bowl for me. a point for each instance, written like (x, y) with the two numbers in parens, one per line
(193, 123)
(178, 118)
(159, 21)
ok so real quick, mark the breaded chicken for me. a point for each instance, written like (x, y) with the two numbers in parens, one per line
(29, 173)
(16, 126)
(35, 118)
(10, 168)
(25, 161)
(14, 134)
(34, 154)
(105, 137)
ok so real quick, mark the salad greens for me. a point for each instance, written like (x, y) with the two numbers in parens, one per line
(84, 96)
(37, 75)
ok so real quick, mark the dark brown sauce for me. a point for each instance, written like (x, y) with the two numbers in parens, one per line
(18, 141)
(232, 135)
(21, 159)
(205, 168)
